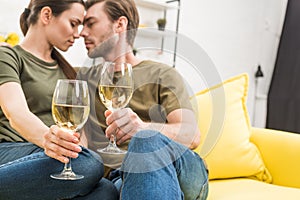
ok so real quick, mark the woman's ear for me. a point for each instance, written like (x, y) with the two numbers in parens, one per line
(121, 24)
(46, 14)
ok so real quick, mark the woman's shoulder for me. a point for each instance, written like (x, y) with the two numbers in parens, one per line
(10, 64)
(7, 51)
(10, 56)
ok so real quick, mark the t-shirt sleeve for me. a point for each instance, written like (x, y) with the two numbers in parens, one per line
(9, 65)
(173, 92)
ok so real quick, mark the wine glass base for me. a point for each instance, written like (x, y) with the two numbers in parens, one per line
(112, 150)
(112, 158)
(67, 176)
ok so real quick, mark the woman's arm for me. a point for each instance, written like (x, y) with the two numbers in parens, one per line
(57, 143)
(15, 108)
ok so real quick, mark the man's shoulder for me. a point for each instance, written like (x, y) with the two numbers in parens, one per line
(88, 71)
(156, 67)
(89, 74)
(152, 63)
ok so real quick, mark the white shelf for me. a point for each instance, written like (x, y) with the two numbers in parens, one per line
(148, 35)
(158, 4)
(154, 32)
(261, 96)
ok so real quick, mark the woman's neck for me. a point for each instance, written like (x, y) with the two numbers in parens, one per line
(43, 50)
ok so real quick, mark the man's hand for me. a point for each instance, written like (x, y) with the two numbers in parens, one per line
(124, 122)
(60, 144)
(181, 126)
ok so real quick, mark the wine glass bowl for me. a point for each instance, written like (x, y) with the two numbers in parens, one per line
(115, 91)
(70, 111)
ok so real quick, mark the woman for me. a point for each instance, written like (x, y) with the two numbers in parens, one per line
(28, 74)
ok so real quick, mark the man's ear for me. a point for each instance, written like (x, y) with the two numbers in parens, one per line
(121, 24)
(46, 14)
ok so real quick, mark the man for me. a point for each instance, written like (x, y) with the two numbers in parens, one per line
(109, 30)
(101, 32)
(158, 126)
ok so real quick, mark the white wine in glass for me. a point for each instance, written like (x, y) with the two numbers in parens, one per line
(70, 111)
(115, 91)
(115, 97)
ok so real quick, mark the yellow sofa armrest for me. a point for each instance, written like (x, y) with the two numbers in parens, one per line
(280, 151)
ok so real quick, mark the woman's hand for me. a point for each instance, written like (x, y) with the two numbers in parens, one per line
(60, 144)
(124, 122)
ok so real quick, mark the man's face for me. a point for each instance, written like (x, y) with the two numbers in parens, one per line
(98, 31)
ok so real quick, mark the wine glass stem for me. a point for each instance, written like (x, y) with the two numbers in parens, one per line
(112, 141)
(68, 167)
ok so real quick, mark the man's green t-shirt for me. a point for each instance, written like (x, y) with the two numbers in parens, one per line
(37, 79)
(158, 90)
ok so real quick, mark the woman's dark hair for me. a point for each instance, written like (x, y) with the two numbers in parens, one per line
(118, 8)
(30, 17)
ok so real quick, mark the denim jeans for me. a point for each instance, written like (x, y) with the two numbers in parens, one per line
(25, 174)
(156, 167)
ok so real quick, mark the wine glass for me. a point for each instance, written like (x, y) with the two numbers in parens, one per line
(115, 91)
(70, 111)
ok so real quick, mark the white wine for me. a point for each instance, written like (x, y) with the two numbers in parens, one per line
(115, 90)
(70, 111)
(71, 117)
(114, 97)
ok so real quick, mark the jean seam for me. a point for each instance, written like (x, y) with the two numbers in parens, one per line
(204, 189)
(30, 157)
(203, 193)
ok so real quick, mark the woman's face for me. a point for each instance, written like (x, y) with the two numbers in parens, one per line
(63, 30)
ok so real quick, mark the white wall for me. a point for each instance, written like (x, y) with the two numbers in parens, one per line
(236, 34)
(10, 11)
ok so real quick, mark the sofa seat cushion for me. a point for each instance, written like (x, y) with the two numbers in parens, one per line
(249, 189)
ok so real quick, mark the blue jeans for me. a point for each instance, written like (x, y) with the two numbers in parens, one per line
(25, 174)
(156, 167)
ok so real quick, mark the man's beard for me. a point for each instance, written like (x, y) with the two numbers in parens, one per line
(105, 48)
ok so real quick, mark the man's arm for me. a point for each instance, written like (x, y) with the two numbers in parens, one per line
(181, 126)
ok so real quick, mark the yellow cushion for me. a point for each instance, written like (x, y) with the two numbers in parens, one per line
(225, 130)
(248, 189)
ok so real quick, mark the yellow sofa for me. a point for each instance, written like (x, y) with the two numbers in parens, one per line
(244, 162)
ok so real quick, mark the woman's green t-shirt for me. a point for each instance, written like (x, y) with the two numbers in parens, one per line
(37, 79)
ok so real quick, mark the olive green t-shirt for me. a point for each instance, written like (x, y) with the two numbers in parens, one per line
(37, 79)
(158, 90)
